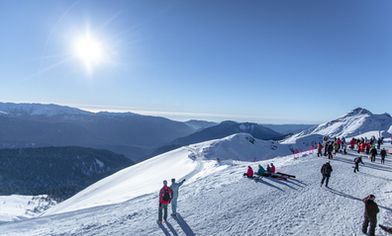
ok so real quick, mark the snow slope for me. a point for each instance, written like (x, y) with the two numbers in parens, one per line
(146, 177)
(225, 203)
(15, 207)
(354, 123)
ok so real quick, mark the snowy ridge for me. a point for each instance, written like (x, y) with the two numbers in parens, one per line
(354, 123)
(197, 159)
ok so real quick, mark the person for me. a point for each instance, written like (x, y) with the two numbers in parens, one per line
(273, 169)
(249, 172)
(357, 160)
(373, 153)
(165, 196)
(319, 149)
(330, 150)
(261, 171)
(326, 170)
(383, 154)
(175, 187)
(370, 215)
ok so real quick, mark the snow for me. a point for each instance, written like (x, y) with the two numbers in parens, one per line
(217, 200)
(15, 207)
(357, 122)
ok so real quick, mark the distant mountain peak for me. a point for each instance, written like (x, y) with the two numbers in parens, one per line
(359, 111)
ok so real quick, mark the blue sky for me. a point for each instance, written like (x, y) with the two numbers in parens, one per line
(265, 61)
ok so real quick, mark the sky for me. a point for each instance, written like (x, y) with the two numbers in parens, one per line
(278, 61)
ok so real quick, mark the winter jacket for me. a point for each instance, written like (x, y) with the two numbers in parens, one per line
(249, 173)
(383, 153)
(273, 169)
(326, 170)
(373, 151)
(162, 193)
(175, 187)
(371, 209)
(358, 160)
(261, 170)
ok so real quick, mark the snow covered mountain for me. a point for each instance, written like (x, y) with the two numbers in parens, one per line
(37, 125)
(357, 122)
(222, 130)
(217, 200)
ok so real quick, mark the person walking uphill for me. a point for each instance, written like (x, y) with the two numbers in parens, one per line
(175, 187)
(326, 170)
(165, 196)
(357, 160)
(370, 216)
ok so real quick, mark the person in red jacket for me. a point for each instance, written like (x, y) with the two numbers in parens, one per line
(165, 196)
(249, 173)
(273, 169)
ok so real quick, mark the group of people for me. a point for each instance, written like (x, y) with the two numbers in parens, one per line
(168, 195)
(369, 147)
(331, 147)
(270, 170)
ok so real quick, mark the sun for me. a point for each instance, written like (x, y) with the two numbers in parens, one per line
(89, 50)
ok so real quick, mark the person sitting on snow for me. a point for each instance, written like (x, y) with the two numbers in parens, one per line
(262, 172)
(249, 173)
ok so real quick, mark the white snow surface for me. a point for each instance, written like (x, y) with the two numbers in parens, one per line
(355, 123)
(16, 207)
(217, 200)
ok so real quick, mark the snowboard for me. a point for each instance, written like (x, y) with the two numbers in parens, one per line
(386, 228)
(290, 176)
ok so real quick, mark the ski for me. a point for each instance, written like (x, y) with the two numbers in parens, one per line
(290, 176)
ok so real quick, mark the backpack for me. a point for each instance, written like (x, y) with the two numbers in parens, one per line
(166, 195)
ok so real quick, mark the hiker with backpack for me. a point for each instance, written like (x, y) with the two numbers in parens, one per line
(326, 170)
(175, 187)
(357, 160)
(383, 154)
(165, 196)
(370, 215)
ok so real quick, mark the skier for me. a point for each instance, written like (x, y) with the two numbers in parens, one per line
(373, 153)
(326, 170)
(383, 154)
(319, 148)
(249, 173)
(175, 186)
(357, 160)
(370, 216)
(165, 196)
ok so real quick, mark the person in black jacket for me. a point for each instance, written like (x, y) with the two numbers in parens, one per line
(383, 154)
(373, 153)
(326, 170)
(370, 215)
(357, 160)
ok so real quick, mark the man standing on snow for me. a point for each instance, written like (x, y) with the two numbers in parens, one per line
(373, 153)
(326, 170)
(370, 216)
(383, 154)
(175, 187)
(357, 160)
(165, 196)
